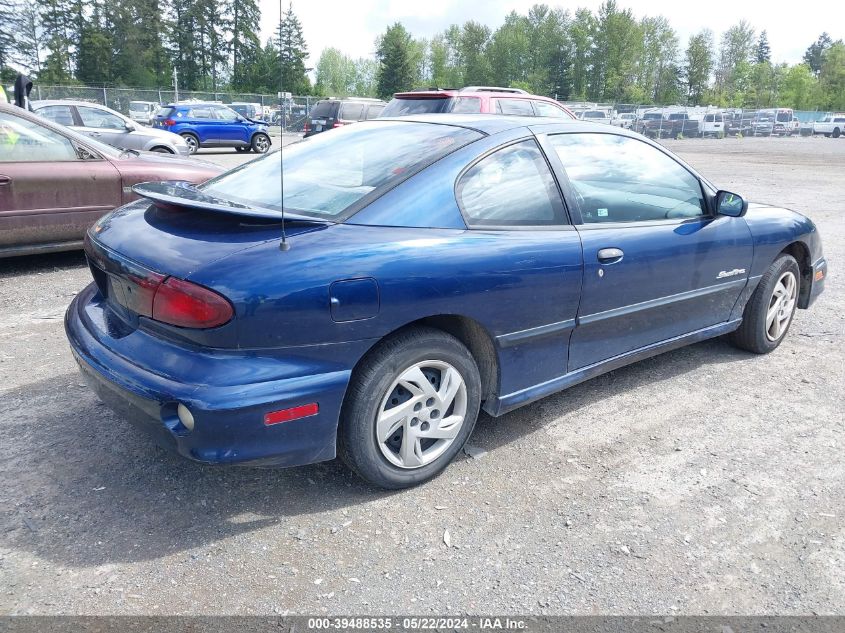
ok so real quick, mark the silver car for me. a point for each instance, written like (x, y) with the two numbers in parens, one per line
(108, 126)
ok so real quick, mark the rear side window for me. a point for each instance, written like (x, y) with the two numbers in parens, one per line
(520, 107)
(839, 119)
(351, 111)
(403, 107)
(466, 105)
(199, 113)
(511, 187)
(709, 118)
(323, 110)
(165, 112)
(60, 114)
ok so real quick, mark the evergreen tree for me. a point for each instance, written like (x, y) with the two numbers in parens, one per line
(393, 55)
(9, 24)
(57, 24)
(813, 56)
(29, 38)
(292, 54)
(698, 66)
(245, 45)
(764, 53)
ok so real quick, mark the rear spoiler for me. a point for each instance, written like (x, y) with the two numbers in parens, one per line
(181, 195)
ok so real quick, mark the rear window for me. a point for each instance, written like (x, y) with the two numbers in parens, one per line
(165, 112)
(326, 174)
(403, 107)
(323, 109)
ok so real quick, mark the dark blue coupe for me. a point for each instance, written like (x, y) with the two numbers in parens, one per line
(430, 267)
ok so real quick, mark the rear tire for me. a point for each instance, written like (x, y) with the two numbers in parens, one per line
(768, 314)
(193, 142)
(430, 382)
(836, 132)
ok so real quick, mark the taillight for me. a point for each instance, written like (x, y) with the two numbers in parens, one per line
(338, 124)
(186, 304)
(307, 127)
(169, 122)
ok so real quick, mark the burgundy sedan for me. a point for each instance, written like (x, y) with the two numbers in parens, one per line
(55, 183)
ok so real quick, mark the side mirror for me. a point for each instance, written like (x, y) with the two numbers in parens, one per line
(730, 204)
(130, 127)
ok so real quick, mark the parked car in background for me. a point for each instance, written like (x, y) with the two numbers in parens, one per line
(831, 125)
(783, 121)
(624, 120)
(55, 183)
(251, 111)
(739, 122)
(360, 340)
(328, 114)
(110, 127)
(213, 125)
(595, 116)
(143, 111)
(663, 124)
(475, 100)
(712, 124)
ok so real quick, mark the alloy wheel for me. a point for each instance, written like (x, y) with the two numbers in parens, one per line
(422, 414)
(781, 306)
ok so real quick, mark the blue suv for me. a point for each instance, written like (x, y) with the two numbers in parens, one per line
(213, 125)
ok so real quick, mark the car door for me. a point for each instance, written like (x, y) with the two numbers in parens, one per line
(48, 193)
(232, 127)
(201, 120)
(104, 126)
(657, 263)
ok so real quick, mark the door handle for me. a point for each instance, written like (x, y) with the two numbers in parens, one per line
(5, 180)
(610, 255)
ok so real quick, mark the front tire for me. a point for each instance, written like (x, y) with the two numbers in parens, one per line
(768, 314)
(260, 143)
(836, 132)
(409, 409)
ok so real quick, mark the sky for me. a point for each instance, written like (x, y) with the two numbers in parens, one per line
(353, 27)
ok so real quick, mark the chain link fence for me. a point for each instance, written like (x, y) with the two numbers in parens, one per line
(655, 121)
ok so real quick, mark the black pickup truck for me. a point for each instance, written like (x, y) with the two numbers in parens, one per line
(668, 125)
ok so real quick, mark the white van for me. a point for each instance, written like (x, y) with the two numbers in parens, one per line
(143, 111)
(712, 124)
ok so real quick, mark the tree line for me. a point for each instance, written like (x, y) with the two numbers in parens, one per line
(212, 44)
(606, 56)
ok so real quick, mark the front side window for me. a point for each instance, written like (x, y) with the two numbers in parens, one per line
(327, 173)
(511, 187)
(621, 179)
(519, 107)
(547, 109)
(94, 117)
(226, 114)
(22, 140)
(60, 114)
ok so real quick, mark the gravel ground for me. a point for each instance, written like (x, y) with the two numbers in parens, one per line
(702, 481)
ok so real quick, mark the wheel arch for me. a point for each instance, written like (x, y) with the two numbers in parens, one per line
(801, 252)
(468, 331)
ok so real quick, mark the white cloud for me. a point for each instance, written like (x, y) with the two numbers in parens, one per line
(352, 26)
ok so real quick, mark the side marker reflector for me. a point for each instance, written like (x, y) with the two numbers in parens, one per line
(294, 413)
(819, 275)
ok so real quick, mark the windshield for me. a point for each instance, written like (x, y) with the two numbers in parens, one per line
(326, 174)
(592, 114)
(139, 106)
(677, 117)
(402, 107)
(784, 116)
(652, 116)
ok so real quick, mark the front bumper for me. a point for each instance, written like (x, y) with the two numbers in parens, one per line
(818, 276)
(228, 406)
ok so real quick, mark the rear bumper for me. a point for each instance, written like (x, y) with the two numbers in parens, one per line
(229, 415)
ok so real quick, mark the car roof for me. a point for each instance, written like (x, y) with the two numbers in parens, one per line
(73, 102)
(490, 124)
(477, 91)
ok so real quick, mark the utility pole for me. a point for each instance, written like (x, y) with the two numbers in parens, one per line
(176, 84)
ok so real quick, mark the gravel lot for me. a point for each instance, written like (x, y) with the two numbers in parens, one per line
(703, 481)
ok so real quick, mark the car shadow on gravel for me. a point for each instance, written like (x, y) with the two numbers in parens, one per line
(35, 264)
(86, 489)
